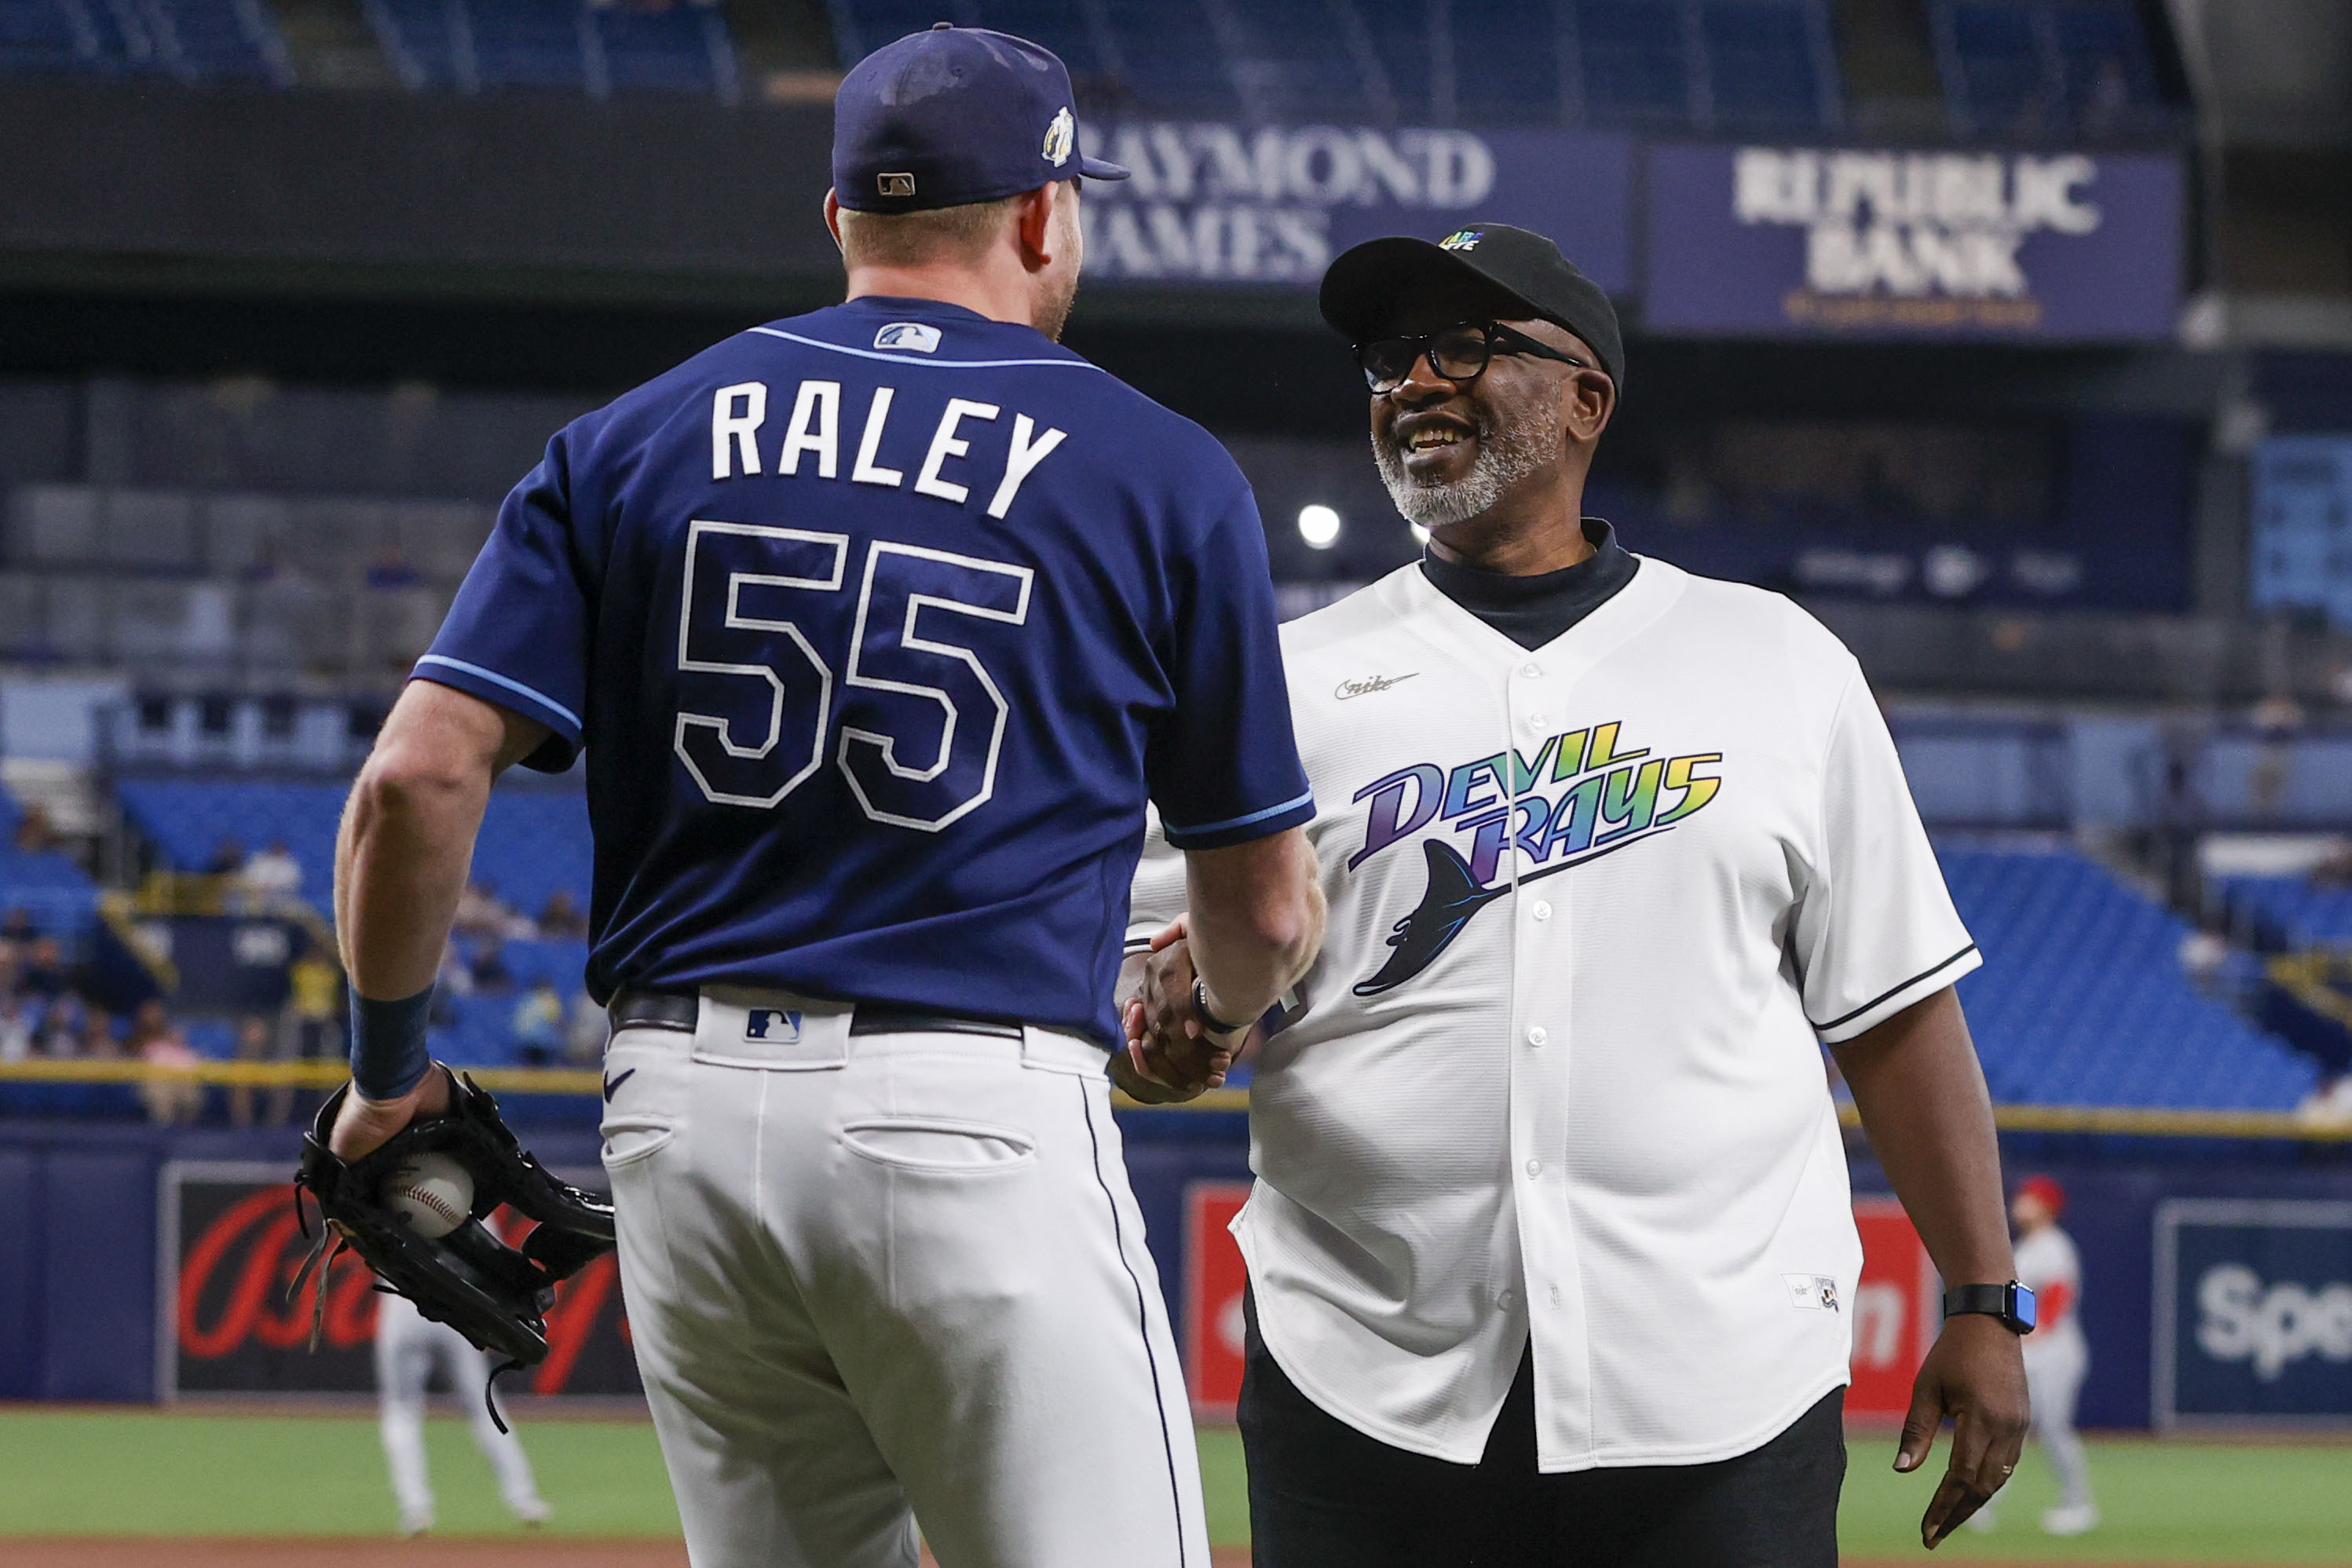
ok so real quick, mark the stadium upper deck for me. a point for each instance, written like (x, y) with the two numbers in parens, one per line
(1986, 69)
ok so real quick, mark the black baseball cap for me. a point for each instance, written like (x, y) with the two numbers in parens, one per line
(951, 117)
(1366, 284)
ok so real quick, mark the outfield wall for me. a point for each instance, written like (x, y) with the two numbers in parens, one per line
(2254, 1244)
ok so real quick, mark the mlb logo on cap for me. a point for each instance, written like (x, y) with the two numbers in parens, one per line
(955, 116)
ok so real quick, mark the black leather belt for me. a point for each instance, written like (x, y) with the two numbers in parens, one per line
(674, 1010)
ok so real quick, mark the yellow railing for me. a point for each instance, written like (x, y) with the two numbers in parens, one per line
(586, 1081)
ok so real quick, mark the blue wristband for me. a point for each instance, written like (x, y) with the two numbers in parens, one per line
(389, 1054)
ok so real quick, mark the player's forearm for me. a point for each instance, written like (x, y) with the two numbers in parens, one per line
(1255, 921)
(1922, 1100)
(408, 838)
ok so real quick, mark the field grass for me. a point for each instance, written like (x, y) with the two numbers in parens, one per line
(113, 1472)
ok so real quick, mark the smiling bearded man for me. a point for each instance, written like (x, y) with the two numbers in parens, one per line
(1551, 1251)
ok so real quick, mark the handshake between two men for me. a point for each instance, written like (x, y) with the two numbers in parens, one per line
(1253, 926)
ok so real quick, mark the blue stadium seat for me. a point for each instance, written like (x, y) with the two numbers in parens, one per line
(2047, 66)
(1999, 67)
(1766, 65)
(196, 40)
(677, 49)
(1507, 62)
(532, 842)
(473, 44)
(44, 37)
(1635, 62)
(2082, 999)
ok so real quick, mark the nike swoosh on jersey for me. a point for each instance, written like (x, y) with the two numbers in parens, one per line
(1452, 898)
(614, 1082)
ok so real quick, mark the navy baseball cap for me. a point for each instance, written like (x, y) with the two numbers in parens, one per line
(951, 117)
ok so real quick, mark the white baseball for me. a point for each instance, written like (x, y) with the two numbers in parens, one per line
(433, 1193)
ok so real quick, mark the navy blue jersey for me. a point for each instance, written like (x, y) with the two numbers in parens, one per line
(878, 625)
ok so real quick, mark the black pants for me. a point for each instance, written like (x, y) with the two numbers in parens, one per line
(1324, 1495)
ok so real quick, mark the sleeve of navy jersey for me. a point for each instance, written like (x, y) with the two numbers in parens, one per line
(1223, 768)
(517, 634)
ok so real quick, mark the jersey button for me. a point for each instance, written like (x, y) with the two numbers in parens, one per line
(1508, 1299)
(1539, 722)
(1535, 1168)
(1537, 1036)
(1542, 910)
(1532, 671)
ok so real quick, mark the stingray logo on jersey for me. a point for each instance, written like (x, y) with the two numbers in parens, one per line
(1605, 798)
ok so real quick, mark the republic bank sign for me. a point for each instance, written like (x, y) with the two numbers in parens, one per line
(1215, 202)
(1785, 240)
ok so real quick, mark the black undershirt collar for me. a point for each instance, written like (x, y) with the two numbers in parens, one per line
(1532, 611)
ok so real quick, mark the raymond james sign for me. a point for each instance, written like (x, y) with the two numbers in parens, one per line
(1213, 202)
(1805, 240)
(2254, 1311)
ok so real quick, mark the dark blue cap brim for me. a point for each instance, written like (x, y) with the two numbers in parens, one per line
(1096, 169)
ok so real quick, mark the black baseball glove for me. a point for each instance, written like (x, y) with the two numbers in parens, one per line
(494, 1294)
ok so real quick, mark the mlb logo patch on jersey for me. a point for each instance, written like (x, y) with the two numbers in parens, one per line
(772, 1026)
(1461, 239)
(1813, 1292)
(917, 336)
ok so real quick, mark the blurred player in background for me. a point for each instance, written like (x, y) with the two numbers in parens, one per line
(2056, 1354)
(407, 1348)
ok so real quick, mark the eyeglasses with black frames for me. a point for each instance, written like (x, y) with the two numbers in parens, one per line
(1459, 353)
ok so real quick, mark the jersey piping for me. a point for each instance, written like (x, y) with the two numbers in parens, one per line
(1929, 973)
(541, 698)
(927, 364)
(1175, 832)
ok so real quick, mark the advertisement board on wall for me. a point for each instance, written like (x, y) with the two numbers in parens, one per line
(1856, 242)
(1216, 202)
(1895, 1306)
(2252, 1313)
(229, 1245)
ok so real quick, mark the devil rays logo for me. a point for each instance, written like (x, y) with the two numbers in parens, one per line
(1452, 897)
(1612, 799)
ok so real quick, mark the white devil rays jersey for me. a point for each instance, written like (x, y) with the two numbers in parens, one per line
(1557, 1072)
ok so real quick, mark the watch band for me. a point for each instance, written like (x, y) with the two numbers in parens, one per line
(1214, 1024)
(2010, 1302)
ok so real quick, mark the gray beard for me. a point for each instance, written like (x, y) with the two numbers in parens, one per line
(1507, 454)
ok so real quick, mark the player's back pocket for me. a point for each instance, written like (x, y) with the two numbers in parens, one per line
(939, 1144)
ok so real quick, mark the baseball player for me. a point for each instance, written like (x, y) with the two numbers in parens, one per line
(407, 1349)
(879, 625)
(1551, 1250)
(2056, 1356)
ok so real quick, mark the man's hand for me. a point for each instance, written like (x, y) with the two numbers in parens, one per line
(362, 1126)
(1976, 1375)
(1171, 1054)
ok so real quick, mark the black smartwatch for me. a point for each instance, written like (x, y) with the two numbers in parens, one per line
(1210, 1020)
(2012, 1304)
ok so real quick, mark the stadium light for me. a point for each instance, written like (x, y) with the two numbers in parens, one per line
(1318, 525)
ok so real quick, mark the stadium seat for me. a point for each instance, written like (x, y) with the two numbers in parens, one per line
(196, 40)
(2082, 1000)
(599, 47)
(2045, 67)
(1769, 67)
(1635, 62)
